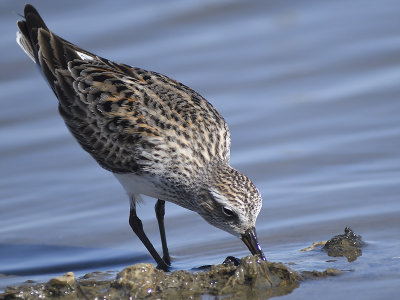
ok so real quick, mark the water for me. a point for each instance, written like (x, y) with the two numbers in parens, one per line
(310, 90)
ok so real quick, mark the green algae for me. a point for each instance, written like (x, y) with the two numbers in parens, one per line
(248, 278)
(347, 245)
(251, 278)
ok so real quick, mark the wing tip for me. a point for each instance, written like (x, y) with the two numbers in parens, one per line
(33, 18)
(25, 45)
(28, 27)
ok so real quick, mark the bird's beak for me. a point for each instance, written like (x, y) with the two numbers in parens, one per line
(250, 239)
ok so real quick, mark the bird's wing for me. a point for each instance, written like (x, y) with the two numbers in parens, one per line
(126, 118)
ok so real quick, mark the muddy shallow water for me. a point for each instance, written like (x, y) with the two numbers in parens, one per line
(252, 278)
(246, 278)
(310, 91)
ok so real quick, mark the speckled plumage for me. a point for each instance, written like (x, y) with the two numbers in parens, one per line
(158, 136)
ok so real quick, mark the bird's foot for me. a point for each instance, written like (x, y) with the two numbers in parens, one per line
(163, 266)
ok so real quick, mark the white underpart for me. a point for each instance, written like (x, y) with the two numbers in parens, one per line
(84, 56)
(137, 185)
(25, 46)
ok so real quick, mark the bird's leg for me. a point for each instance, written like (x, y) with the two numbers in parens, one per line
(160, 212)
(137, 227)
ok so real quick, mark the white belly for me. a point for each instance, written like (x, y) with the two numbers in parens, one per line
(143, 185)
(135, 185)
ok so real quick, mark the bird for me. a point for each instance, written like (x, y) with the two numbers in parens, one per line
(157, 136)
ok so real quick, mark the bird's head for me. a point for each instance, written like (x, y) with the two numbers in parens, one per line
(231, 202)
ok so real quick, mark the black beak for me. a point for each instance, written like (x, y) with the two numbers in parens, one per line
(250, 239)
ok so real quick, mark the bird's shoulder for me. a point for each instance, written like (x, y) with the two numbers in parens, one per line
(144, 115)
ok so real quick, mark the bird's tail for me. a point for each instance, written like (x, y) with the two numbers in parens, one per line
(50, 52)
(27, 36)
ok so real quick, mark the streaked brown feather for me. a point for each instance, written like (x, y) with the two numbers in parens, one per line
(125, 117)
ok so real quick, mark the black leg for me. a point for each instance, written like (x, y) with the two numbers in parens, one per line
(137, 227)
(160, 212)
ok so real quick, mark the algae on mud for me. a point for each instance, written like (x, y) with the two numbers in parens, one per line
(253, 277)
(348, 245)
(248, 278)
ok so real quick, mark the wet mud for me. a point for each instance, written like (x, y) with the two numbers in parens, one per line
(246, 278)
(347, 245)
(252, 277)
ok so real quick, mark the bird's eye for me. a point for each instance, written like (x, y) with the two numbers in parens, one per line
(228, 212)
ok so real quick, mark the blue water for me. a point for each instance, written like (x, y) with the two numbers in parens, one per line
(310, 90)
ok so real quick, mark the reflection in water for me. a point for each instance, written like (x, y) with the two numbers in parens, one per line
(60, 259)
